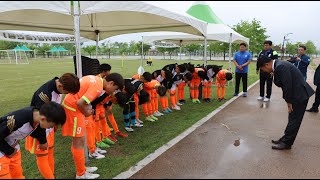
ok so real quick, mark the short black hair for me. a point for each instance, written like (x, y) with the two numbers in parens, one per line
(54, 112)
(303, 46)
(168, 75)
(104, 67)
(182, 68)
(268, 42)
(147, 76)
(143, 97)
(262, 60)
(161, 90)
(228, 76)
(188, 76)
(121, 99)
(190, 67)
(203, 75)
(116, 78)
(243, 44)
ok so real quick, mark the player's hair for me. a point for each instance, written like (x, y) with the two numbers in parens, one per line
(188, 76)
(116, 78)
(143, 97)
(70, 82)
(121, 99)
(54, 112)
(228, 76)
(147, 76)
(104, 67)
(161, 90)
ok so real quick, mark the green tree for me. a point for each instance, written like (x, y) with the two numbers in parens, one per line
(291, 49)
(254, 31)
(146, 48)
(311, 48)
(162, 50)
(191, 48)
(43, 49)
(90, 49)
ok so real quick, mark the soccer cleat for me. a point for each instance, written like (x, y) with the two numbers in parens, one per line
(170, 110)
(219, 99)
(160, 113)
(108, 141)
(149, 118)
(197, 101)
(176, 108)
(266, 100)
(91, 169)
(137, 125)
(120, 134)
(166, 111)
(179, 104)
(96, 155)
(129, 129)
(156, 114)
(100, 151)
(112, 138)
(87, 175)
(138, 120)
(102, 145)
(154, 118)
(260, 98)
(194, 101)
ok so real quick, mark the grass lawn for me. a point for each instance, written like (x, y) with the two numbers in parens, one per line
(18, 83)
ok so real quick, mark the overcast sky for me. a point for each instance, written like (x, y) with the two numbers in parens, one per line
(279, 17)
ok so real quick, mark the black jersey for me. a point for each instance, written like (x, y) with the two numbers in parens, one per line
(16, 126)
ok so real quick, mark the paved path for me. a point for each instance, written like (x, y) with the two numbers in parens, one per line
(209, 151)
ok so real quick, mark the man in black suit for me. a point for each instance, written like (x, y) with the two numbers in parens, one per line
(316, 81)
(296, 92)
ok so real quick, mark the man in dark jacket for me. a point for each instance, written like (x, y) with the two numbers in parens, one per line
(302, 61)
(316, 81)
(296, 92)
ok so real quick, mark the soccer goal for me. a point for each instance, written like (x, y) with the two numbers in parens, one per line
(13, 57)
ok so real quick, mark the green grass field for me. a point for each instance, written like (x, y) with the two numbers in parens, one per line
(18, 83)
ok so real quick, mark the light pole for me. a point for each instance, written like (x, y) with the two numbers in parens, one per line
(284, 38)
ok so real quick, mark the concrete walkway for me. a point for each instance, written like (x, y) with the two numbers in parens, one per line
(209, 151)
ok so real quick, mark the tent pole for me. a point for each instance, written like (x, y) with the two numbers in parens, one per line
(35, 54)
(230, 67)
(77, 37)
(9, 57)
(97, 42)
(205, 50)
(142, 52)
(180, 52)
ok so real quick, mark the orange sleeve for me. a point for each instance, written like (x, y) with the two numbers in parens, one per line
(148, 86)
(136, 76)
(94, 91)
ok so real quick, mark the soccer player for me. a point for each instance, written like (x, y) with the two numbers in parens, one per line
(78, 107)
(44, 148)
(17, 125)
(222, 77)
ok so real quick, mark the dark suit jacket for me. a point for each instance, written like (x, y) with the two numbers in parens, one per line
(295, 89)
(316, 78)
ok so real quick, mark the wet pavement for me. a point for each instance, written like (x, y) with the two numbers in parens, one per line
(212, 150)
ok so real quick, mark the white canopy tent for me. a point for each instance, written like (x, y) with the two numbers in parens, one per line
(215, 32)
(98, 20)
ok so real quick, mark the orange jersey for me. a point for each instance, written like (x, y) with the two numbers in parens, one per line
(195, 74)
(136, 76)
(90, 88)
(149, 86)
(222, 74)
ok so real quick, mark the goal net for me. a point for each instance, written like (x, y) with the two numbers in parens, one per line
(13, 57)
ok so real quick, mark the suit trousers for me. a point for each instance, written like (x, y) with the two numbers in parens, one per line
(317, 98)
(294, 122)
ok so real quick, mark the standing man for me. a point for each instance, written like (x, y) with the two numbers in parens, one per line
(241, 60)
(267, 51)
(316, 81)
(296, 93)
(302, 61)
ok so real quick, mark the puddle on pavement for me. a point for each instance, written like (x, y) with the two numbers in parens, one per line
(236, 142)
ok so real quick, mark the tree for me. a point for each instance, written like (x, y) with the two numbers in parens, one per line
(89, 49)
(43, 49)
(171, 50)
(254, 31)
(146, 48)
(192, 48)
(291, 49)
(311, 48)
(162, 50)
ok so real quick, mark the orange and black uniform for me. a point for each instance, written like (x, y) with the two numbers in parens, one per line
(45, 158)
(14, 127)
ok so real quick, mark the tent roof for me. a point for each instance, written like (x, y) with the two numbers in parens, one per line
(216, 32)
(62, 49)
(111, 18)
(25, 48)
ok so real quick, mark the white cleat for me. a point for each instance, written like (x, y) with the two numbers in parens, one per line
(96, 155)
(129, 129)
(87, 175)
(260, 98)
(101, 151)
(176, 108)
(266, 100)
(157, 114)
(179, 104)
(91, 169)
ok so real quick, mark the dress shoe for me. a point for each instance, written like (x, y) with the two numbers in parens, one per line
(313, 110)
(276, 142)
(281, 146)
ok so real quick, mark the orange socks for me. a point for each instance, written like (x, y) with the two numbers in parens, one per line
(97, 131)
(223, 91)
(113, 122)
(218, 92)
(173, 97)
(104, 128)
(44, 167)
(145, 109)
(79, 160)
